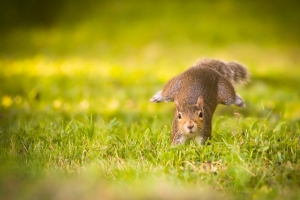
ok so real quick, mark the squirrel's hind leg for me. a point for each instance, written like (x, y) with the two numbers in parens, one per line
(227, 95)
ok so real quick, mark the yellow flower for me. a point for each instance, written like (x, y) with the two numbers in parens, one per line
(57, 103)
(6, 101)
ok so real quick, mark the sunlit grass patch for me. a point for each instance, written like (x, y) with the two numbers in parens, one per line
(257, 158)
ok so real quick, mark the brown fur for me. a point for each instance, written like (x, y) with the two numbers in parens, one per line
(199, 89)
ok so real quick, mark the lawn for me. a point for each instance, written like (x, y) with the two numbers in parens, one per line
(75, 116)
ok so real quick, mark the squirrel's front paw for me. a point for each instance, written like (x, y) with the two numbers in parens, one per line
(179, 140)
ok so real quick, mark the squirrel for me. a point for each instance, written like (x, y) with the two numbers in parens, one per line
(196, 93)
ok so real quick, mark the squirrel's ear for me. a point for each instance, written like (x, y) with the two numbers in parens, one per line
(200, 102)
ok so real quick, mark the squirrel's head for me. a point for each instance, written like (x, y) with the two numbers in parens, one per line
(190, 116)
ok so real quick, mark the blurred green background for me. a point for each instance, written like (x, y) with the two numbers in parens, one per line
(111, 56)
(65, 60)
(102, 28)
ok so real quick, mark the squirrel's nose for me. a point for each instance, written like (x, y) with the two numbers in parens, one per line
(190, 126)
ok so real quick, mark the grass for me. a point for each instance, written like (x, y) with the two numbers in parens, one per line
(75, 116)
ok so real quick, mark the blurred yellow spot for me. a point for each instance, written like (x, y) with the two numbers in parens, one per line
(66, 107)
(6, 101)
(84, 104)
(57, 103)
(66, 67)
(265, 189)
(130, 103)
(18, 99)
(116, 71)
(114, 104)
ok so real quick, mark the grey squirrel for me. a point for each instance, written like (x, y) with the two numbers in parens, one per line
(196, 93)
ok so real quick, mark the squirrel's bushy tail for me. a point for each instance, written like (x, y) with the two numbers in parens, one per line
(232, 71)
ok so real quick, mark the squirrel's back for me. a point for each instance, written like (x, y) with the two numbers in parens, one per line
(198, 80)
(232, 71)
(202, 78)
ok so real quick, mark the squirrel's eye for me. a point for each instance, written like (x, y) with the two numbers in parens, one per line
(200, 114)
(179, 116)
